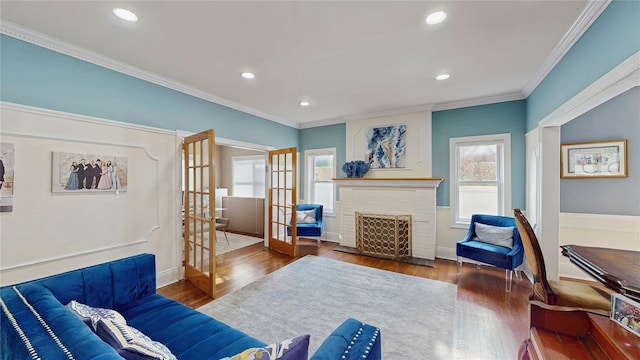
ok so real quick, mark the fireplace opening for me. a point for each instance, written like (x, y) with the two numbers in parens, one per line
(386, 236)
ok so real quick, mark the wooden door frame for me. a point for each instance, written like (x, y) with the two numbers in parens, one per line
(180, 135)
(281, 246)
(203, 279)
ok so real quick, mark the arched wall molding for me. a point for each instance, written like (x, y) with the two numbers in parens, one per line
(144, 236)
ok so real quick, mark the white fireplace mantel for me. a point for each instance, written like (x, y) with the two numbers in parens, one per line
(391, 196)
(390, 182)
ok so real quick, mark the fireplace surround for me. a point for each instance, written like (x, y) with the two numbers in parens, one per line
(393, 197)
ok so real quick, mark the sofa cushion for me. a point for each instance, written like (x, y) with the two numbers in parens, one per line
(91, 315)
(496, 235)
(290, 349)
(130, 342)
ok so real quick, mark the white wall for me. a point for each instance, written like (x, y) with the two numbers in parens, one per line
(48, 233)
(418, 143)
(597, 230)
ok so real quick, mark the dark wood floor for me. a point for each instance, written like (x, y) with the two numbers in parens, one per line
(490, 323)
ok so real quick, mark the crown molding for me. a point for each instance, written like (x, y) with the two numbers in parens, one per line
(390, 112)
(48, 42)
(480, 101)
(617, 81)
(319, 123)
(370, 115)
(413, 109)
(584, 21)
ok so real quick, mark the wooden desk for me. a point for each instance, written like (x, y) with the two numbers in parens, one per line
(618, 270)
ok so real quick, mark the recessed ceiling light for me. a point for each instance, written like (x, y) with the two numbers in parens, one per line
(304, 103)
(442, 77)
(436, 17)
(125, 14)
(248, 75)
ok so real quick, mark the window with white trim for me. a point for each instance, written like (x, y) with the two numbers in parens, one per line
(321, 169)
(480, 172)
(248, 176)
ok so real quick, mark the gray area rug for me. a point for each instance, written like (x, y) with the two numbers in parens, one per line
(314, 295)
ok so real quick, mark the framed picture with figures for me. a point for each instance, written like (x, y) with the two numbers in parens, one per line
(82, 173)
(626, 313)
(7, 162)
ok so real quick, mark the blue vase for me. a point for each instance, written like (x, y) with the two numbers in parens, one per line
(361, 168)
(355, 169)
(348, 169)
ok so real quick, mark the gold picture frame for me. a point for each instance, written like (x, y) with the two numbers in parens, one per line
(595, 159)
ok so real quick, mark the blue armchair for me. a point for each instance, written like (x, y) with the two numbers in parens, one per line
(489, 243)
(308, 221)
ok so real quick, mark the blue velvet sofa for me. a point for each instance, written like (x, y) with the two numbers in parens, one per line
(37, 325)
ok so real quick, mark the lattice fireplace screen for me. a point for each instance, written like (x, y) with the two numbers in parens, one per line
(387, 236)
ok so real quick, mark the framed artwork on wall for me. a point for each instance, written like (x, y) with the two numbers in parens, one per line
(598, 159)
(87, 173)
(7, 162)
(387, 147)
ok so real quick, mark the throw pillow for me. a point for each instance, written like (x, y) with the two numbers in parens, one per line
(496, 235)
(306, 216)
(291, 349)
(91, 315)
(131, 343)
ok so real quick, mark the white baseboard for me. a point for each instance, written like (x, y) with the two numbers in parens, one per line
(446, 253)
(166, 277)
(331, 236)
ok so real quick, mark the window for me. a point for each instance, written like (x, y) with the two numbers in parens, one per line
(248, 176)
(321, 169)
(480, 174)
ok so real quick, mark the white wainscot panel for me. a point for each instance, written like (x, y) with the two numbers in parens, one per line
(597, 230)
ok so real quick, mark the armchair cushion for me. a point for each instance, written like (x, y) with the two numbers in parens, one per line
(496, 235)
(306, 216)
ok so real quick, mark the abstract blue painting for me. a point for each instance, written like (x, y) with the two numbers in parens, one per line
(387, 147)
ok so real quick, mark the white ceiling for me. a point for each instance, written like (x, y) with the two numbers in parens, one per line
(349, 59)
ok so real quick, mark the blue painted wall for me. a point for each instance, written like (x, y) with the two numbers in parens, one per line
(35, 76)
(618, 118)
(320, 138)
(507, 117)
(612, 38)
